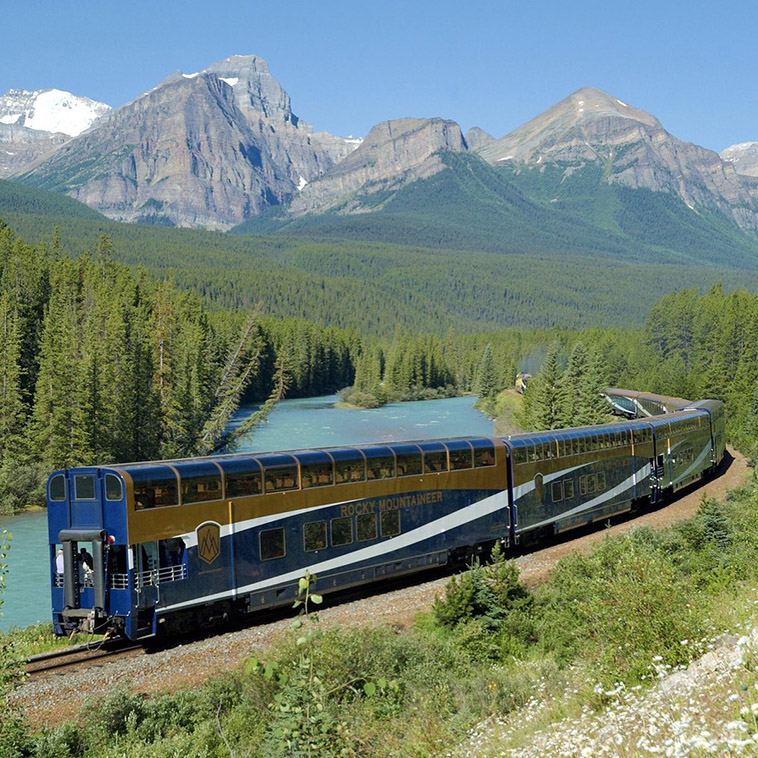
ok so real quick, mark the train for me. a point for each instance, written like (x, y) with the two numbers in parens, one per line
(161, 548)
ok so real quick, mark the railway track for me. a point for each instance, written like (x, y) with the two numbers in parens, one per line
(79, 655)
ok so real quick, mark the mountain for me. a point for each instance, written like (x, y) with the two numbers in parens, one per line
(477, 138)
(203, 149)
(633, 150)
(35, 124)
(538, 213)
(394, 153)
(744, 158)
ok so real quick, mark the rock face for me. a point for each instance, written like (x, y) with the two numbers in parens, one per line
(21, 147)
(477, 138)
(207, 149)
(744, 158)
(394, 153)
(634, 149)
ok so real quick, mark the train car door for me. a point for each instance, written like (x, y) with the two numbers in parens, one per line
(147, 585)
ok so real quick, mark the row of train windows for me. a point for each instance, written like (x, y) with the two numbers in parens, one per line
(152, 493)
(589, 484)
(560, 448)
(367, 526)
(683, 455)
(84, 487)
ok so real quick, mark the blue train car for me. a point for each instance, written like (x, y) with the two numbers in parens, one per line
(182, 543)
(566, 478)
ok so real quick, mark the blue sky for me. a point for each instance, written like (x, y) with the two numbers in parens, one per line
(348, 66)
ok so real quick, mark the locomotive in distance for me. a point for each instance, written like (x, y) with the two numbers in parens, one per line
(157, 548)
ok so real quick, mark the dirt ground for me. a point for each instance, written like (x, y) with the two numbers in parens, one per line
(58, 697)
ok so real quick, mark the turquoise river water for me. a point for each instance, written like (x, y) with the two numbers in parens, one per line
(306, 422)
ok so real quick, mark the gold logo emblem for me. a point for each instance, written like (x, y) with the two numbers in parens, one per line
(208, 541)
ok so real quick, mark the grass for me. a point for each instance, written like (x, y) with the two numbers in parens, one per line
(39, 638)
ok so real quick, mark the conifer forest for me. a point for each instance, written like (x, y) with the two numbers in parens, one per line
(103, 361)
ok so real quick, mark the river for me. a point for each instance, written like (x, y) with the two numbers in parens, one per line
(305, 422)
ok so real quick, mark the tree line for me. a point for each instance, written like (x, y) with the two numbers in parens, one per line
(103, 363)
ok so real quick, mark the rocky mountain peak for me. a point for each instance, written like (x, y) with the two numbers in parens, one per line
(744, 158)
(588, 103)
(255, 90)
(634, 150)
(50, 110)
(393, 153)
(477, 137)
(572, 129)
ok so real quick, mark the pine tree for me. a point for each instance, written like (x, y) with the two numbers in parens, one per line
(548, 396)
(486, 381)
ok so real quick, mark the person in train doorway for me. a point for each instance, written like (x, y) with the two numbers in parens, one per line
(59, 562)
(85, 560)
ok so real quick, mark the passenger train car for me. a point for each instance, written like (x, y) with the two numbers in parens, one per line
(162, 547)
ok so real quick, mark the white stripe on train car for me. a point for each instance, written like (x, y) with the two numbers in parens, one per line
(481, 508)
(627, 484)
(705, 451)
(524, 489)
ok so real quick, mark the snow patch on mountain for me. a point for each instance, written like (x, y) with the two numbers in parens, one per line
(50, 110)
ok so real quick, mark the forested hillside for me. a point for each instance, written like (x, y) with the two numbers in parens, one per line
(377, 287)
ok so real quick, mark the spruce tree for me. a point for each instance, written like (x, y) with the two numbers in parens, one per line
(549, 395)
(485, 384)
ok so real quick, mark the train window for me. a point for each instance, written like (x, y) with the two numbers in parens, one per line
(349, 471)
(460, 459)
(390, 521)
(531, 454)
(568, 489)
(380, 468)
(314, 535)
(201, 489)
(484, 456)
(155, 493)
(519, 455)
(557, 492)
(272, 544)
(366, 523)
(58, 488)
(113, 488)
(562, 448)
(281, 478)
(600, 481)
(435, 462)
(84, 487)
(316, 475)
(342, 531)
(539, 486)
(591, 482)
(243, 484)
(409, 464)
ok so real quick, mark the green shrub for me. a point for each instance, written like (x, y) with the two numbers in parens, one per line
(619, 607)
